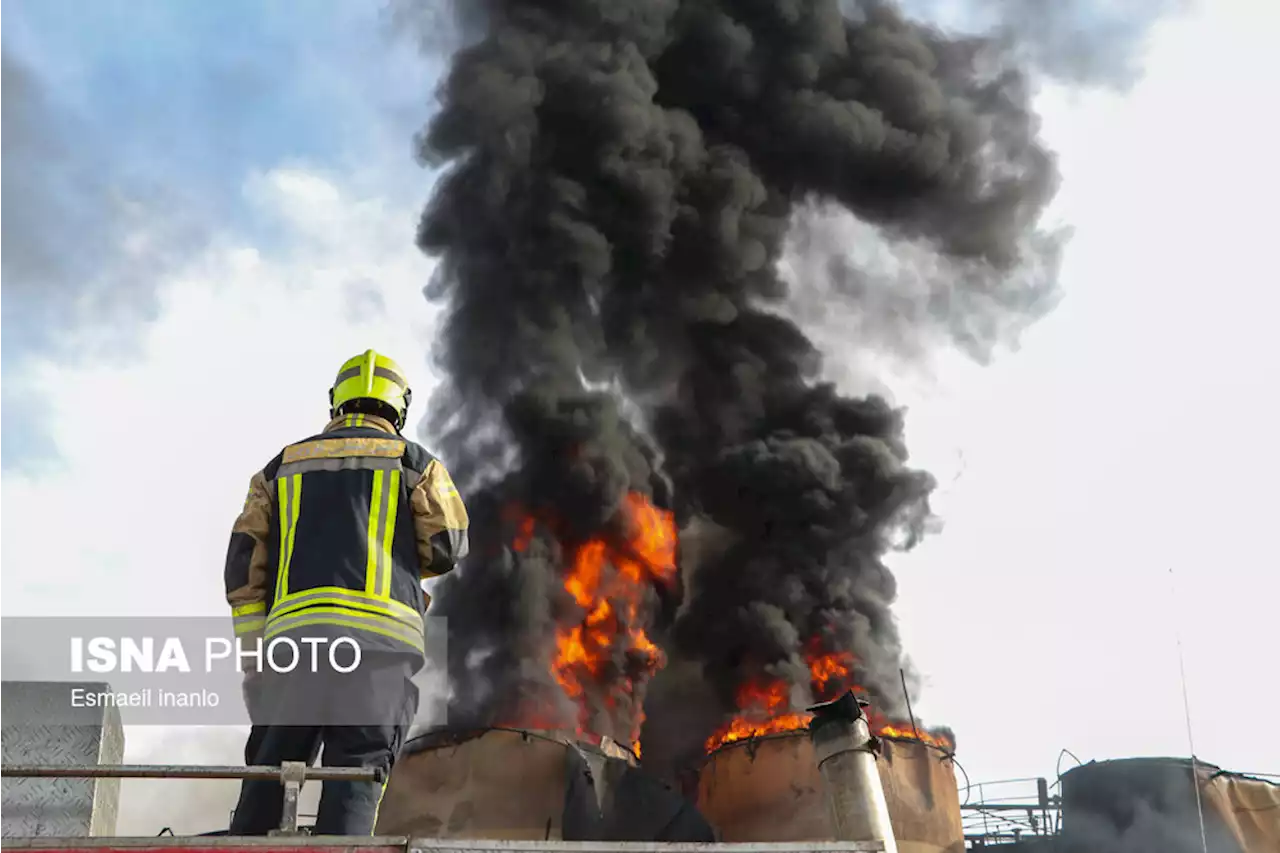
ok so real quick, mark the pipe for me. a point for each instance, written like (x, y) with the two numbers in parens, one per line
(846, 754)
(184, 771)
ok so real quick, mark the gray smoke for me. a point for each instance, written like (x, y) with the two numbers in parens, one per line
(1149, 832)
(1149, 805)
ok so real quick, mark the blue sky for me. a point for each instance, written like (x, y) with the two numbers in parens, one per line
(171, 105)
(203, 92)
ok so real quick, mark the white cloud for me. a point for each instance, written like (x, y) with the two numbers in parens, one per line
(156, 450)
(1133, 435)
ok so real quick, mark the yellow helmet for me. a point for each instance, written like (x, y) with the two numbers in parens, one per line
(370, 376)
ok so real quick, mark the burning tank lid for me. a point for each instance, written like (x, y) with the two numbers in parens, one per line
(445, 737)
(754, 740)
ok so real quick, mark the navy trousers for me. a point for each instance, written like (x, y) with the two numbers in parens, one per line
(378, 703)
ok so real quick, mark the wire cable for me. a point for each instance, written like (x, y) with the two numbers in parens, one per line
(1186, 711)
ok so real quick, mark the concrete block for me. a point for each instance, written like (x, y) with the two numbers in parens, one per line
(91, 735)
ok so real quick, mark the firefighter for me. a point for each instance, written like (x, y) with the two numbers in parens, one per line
(335, 535)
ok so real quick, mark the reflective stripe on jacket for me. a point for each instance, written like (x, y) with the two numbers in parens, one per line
(336, 533)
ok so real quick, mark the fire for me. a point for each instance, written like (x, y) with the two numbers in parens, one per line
(765, 706)
(607, 579)
(904, 731)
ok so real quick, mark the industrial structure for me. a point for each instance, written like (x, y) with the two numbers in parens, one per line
(1131, 804)
(831, 787)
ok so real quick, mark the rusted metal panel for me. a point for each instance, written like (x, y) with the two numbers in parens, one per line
(769, 789)
(924, 799)
(488, 784)
(499, 784)
(764, 790)
(1249, 807)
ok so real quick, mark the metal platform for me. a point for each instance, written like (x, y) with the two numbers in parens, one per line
(347, 844)
(40, 727)
(292, 774)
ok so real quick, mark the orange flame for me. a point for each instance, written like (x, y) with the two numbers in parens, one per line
(765, 706)
(608, 580)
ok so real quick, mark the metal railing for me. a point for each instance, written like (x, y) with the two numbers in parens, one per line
(1010, 810)
(291, 774)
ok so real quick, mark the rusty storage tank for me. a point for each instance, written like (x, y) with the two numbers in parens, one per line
(769, 789)
(1134, 803)
(496, 783)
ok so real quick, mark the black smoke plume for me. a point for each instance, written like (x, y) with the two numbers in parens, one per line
(621, 178)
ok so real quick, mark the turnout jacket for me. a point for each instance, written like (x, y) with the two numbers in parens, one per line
(336, 533)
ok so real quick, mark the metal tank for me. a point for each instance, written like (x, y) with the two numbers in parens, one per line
(1133, 803)
(497, 783)
(769, 789)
